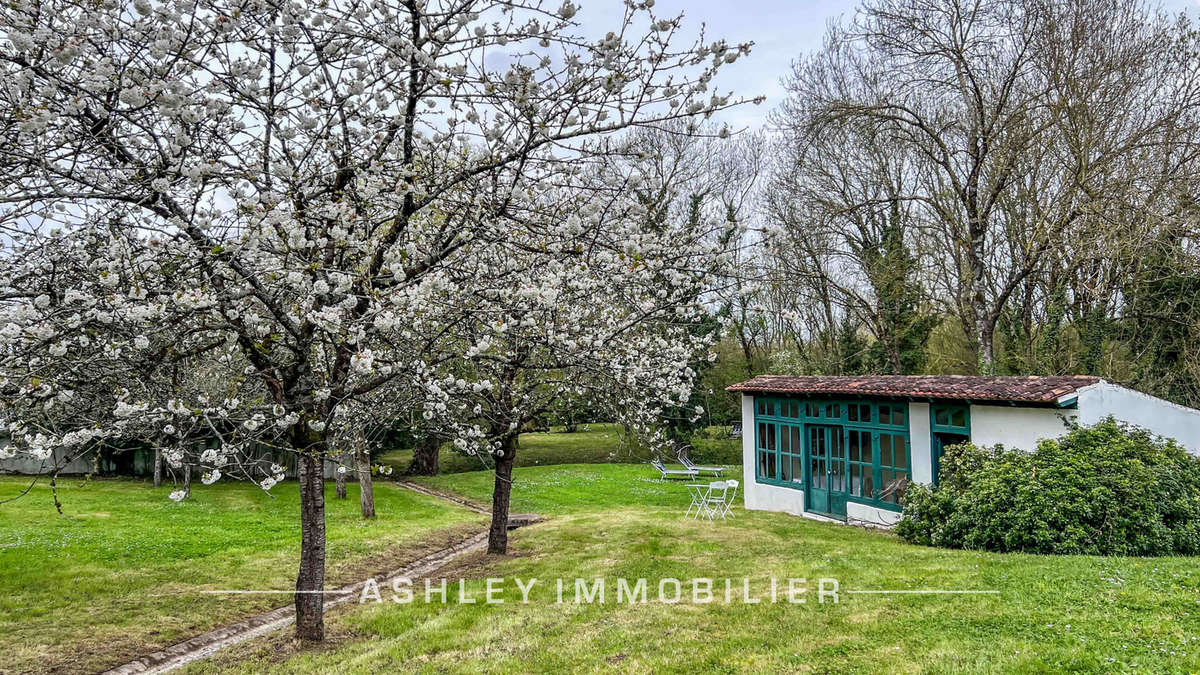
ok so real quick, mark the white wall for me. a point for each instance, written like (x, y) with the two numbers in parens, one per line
(749, 429)
(1133, 407)
(1016, 427)
(861, 514)
(775, 498)
(757, 496)
(918, 443)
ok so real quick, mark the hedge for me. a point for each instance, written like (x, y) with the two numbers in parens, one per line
(1109, 489)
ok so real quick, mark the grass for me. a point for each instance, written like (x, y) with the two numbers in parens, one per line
(574, 488)
(1053, 614)
(112, 579)
(591, 444)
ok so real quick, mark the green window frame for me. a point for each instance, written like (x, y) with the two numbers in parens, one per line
(875, 432)
(860, 446)
(893, 415)
(894, 464)
(766, 465)
(860, 413)
(946, 418)
(791, 454)
(950, 418)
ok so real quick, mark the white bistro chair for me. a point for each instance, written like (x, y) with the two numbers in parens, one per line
(725, 506)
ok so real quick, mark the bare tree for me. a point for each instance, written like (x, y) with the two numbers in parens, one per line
(1023, 119)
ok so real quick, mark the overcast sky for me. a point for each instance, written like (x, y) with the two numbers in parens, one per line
(780, 29)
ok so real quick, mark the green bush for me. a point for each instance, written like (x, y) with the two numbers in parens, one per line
(725, 451)
(1108, 489)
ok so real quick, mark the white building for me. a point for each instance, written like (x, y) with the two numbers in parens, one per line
(838, 447)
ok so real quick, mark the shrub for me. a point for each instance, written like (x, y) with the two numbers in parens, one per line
(713, 451)
(1108, 489)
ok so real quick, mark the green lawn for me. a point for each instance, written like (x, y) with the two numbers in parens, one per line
(591, 444)
(576, 488)
(111, 579)
(1052, 614)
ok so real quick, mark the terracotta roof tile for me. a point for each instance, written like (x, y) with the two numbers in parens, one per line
(1032, 389)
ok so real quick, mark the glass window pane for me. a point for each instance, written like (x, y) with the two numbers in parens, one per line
(898, 415)
(797, 468)
(885, 449)
(888, 478)
(900, 456)
(868, 451)
(770, 436)
(852, 438)
(885, 414)
(852, 413)
(785, 441)
(959, 419)
(868, 483)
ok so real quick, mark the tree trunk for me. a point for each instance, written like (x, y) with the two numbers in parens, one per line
(892, 345)
(425, 457)
(747, 351)
(498, 534)
(987, 346)
(158, 466)
(310, 604)
(366, 488)
(340, 480)
(980, 339)
(187, 479)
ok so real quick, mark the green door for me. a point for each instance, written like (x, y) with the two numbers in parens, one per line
(827, 483)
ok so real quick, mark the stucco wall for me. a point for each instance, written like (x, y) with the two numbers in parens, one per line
(921, 461)
(748, 431)
(1015, 427)
(775, 498)
(862, 514)
(1161, 417)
